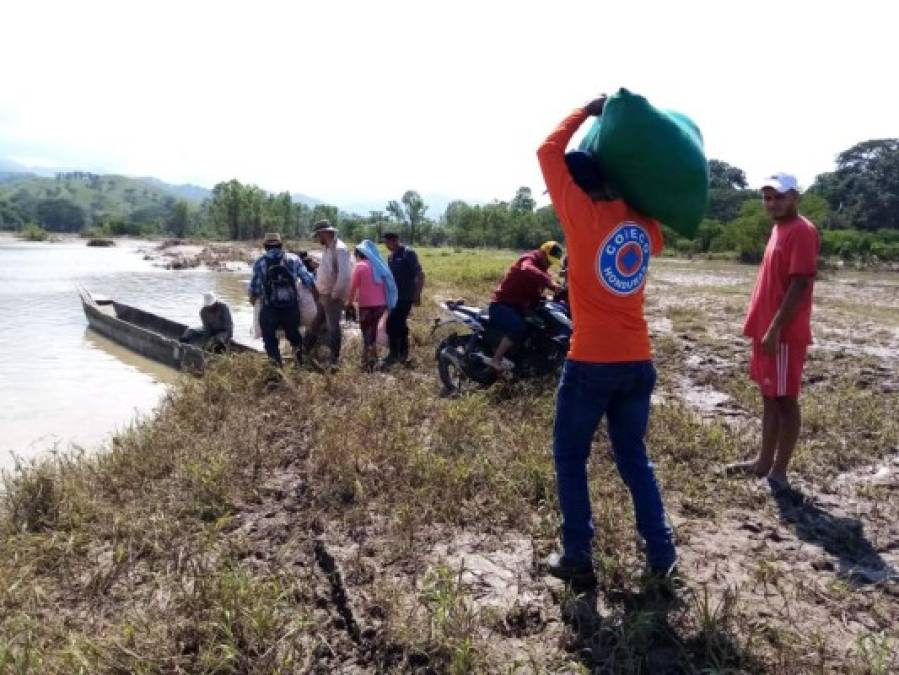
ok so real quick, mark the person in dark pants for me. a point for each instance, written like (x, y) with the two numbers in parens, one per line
(275, 278)
(609, 370)
(410, 280)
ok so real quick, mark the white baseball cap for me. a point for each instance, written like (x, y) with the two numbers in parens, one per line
(780, 182)
(209, 299)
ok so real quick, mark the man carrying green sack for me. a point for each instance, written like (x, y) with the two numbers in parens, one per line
(653, 158)
(609, 371)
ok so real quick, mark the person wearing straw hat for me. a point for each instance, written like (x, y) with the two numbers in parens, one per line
(333, 283)
(274, 283)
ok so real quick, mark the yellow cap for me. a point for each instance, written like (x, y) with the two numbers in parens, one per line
(553, 251)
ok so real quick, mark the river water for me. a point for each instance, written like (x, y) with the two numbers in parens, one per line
(61, 384)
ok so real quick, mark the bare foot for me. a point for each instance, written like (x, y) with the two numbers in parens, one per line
(778, 482)
(498, 366)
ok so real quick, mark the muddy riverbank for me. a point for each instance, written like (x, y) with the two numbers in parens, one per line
(353, 522)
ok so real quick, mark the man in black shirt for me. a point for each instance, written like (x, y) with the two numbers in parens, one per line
(410, 279)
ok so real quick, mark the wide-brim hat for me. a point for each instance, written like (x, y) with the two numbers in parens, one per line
(323, 226)
(272, 239)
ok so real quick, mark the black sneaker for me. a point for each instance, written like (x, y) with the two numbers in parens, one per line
(662, 582)
(580, 574)
(668, 573)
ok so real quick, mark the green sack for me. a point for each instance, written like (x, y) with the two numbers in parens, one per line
(653, 158)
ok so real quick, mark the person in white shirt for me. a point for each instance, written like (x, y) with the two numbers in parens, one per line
(333, 284)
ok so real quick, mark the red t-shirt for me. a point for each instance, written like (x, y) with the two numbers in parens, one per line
(792, 251)
(609, 247)
(524, 282)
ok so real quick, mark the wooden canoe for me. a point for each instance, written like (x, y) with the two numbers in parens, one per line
(147, 334)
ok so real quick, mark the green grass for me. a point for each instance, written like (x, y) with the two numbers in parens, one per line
(199, 540)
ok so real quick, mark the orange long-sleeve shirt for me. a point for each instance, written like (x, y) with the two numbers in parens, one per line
(609, 247)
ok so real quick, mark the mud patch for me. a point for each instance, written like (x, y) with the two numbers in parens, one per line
(661, 325)
(176, 254)
(496, 573)
(884, 473)
(703, 398)
(785, 562)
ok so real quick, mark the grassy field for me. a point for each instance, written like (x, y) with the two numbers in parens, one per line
(362, 523)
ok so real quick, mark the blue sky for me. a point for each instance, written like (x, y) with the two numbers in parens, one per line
(351, 101)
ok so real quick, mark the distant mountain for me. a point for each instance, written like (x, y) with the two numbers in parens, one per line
(14, 175)
(40, 183)
(9, 166)
(300, 198)
(192, 193)
(98, 196)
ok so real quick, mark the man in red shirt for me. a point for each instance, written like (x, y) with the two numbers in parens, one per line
(779, 323)
(518, 293)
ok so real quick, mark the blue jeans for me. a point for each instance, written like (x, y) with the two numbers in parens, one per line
(621, 391)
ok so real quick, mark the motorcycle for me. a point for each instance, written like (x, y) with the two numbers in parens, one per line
(462, 357)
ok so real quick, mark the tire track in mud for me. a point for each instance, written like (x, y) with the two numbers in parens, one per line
(339, 595)
(284, 530)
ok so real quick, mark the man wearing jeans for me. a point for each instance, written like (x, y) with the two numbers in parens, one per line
(609, 369)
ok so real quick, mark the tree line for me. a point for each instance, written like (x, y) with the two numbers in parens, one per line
(238, 211)
(856, 207)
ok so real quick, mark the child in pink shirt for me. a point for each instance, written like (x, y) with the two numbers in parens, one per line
(372, 298)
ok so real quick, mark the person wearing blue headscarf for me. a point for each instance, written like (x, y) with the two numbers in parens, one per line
(374, 288)
(380, 269)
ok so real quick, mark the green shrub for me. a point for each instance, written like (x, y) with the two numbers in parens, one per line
(34, 233)
(94, 232)
(31, 498)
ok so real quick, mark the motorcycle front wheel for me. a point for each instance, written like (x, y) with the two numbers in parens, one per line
(457, 373)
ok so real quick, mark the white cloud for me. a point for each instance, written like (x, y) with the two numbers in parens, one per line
(360, 100)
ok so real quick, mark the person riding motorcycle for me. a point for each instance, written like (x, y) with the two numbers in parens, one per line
(518, 293)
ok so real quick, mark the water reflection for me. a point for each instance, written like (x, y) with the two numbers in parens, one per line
(129, 359)
(61, 383)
